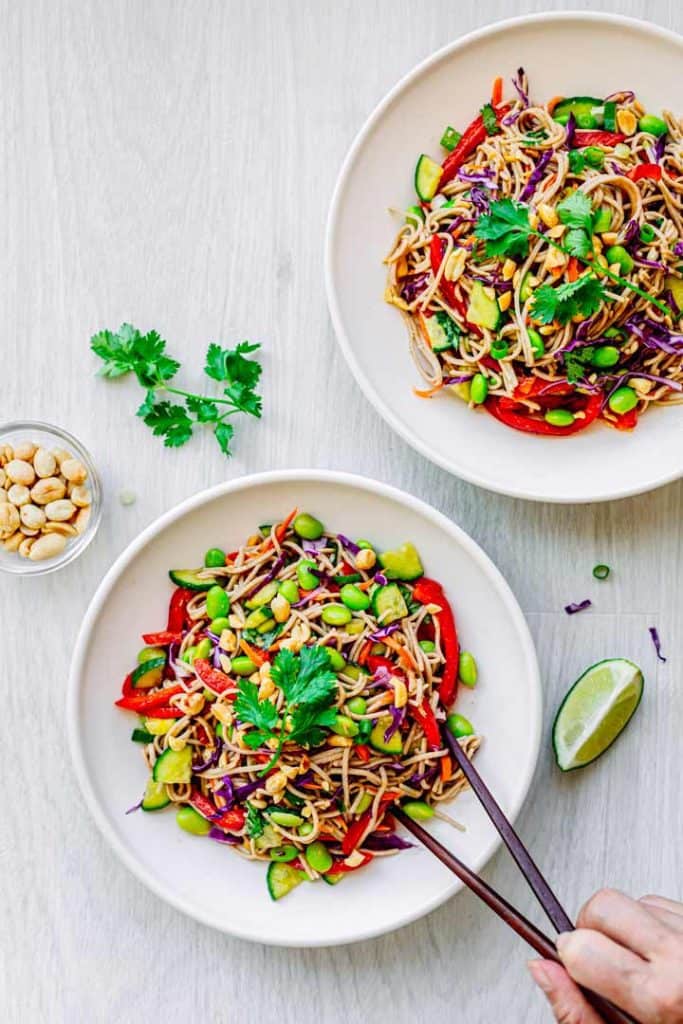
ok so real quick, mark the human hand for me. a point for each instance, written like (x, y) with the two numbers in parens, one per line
(629, 951)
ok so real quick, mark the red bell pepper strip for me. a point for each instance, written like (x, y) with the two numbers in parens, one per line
(376, 661)
(177, 609)
(529, 424)
(213, 678)
(651, 171)
(436, 250)
(355, 834)
(625, 421)
(472, 137)
(162, 639)
(590, 137)
(127, 689)
(428, 591)
(165, 712)
(363, 752)
(339, 867)
(425, 718)
(151, 701)
(229, 821)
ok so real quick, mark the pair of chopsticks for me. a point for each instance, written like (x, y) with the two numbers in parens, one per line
(561, 921)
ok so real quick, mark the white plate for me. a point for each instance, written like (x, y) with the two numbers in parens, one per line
(592, 54)
(210, 882)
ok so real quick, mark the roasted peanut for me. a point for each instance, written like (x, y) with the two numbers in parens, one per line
(9, 520)
(20, 472)
(47, 490)
(44, 463)
(32, 516)
(25, 450)
(61, 510)
(19, 495)
(74, 471)
(80, 495)
(48, 546)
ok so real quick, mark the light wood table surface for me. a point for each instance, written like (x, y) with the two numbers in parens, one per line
(171, 164)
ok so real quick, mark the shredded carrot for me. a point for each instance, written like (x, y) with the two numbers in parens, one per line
(551, 104)
(429, 393)
(446, 768)
(556, 271)
(281, 530)
(365, 585)
(423, 329)
(497, 91)
(252, 652)
(364, 653)
(404, 654)
(572, 269)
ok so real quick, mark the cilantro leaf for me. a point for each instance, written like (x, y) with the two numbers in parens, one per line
(244, 398)
(578, 362)
(263, 640)
(255, 822)
(248, 708)
(582, 296)
(576, 210)
(168, 421)
(203, 409)
(307, 680)
(225, 364)
(223, 434)
(307, 724)
(488, 116)
(505, 228)
(545, 303)
(578, 242)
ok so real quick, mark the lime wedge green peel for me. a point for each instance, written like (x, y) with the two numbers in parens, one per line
(598, 707)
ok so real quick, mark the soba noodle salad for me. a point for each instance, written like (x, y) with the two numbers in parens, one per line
(540, 273)
(303, 686)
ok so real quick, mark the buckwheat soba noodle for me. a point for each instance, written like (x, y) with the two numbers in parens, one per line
(303, 686)
(540, 273)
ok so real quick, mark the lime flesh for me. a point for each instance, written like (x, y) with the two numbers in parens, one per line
(597, 708)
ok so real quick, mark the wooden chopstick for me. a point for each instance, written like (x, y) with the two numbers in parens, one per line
(512, 917)
(542, 891)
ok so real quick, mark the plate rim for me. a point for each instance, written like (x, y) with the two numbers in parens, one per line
(332, 227)
(177, 512)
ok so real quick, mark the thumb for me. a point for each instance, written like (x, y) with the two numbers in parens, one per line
(566, 999)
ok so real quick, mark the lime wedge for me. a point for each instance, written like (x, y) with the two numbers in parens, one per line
(597, 708)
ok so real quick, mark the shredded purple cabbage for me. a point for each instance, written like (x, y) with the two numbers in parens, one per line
(390, 842)
(657, 642)
(654, 335)
(668, 297)
(213, 759)
(480, 177)
(227, 791)
(632, 229)
(397, 715)
(655, 264)
(216, 657)
(458, 380)
(382, 676)
(305, 779)
(220, 836)
(314, 547)
(380, 578)
(383, 631)
(570, 131)
(458, 221)
(135, 807)
(304, 600)
(248, 788)
(625, 96)
(660, 146)
(270, 575)
(572, 609)
(517, 85)
(425, 776)
(536, 175)
(480, 198)
(678, 249)
(348, 544)
(413, 286)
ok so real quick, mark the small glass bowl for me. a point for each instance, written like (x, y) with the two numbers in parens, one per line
(47, 436)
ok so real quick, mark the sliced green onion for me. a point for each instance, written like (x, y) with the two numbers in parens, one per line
(450, 138)
(601, 572)
(647, 233)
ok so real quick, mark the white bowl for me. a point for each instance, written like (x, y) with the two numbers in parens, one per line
(205, 879)
(592, 54)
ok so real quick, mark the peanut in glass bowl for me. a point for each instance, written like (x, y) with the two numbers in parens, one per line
(47, 436)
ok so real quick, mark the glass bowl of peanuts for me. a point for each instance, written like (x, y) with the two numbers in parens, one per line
(50, 498)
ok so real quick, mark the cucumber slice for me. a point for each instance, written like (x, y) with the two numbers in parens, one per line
(427, 178)
(403, 563)
(281, 878)
(148, 674)
(258, 618)
(190, 579)
(158, 726)
(268, 838)
(388, 604)
(675, 286)
(392, 746)
(482, 309)
(263, 596)
(333, 879)
(580, 106)
(596, 710)
(155, 796)
(610, 116)
(173, 766)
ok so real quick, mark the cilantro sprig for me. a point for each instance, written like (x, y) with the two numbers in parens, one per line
(506, 231)
(129, 351)
(309, 687)
(488, 116)
(567, 300)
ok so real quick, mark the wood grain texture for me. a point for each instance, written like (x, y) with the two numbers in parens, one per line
(171, 163)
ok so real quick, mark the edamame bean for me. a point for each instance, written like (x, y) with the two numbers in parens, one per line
(289, 591)
(344, 726)
(623, 400)
(283, 854)
(479, 389)
(365, 545)
(605, 356)
(286, 819)
(354, 598)
(217, 602)
(336, 615)
(190, 821)
(559, 417)
(357, 705)
(647, 233)
(364, 803)
(149, 653)
(467, 669)
(336, 659)
(428, 646)
(189, 655)
(459, 726)
(653, 125)
(307, 580)
(243, 666)
(617, 254)
(319, 857)
(214, 558)
(305, 829)
(308, 527)
(595, 157)
(217, 626)
(355, 627)
(354, 671)
(203, 648)
(418, 810)
(537, 346)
